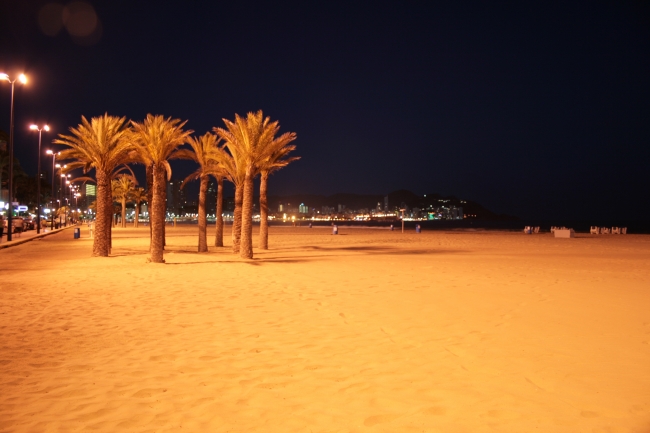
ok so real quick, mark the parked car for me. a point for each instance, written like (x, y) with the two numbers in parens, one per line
(16, 223)
(29, 223)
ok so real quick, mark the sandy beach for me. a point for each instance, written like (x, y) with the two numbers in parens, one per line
(365, 331)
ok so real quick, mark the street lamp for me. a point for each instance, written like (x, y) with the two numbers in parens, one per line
(76, 203)
(38, 176)
(51, 152)
(61, 196)
(69, 210)
(23, 79)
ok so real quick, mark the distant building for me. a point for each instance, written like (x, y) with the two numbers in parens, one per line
(445, 213)
(303, 209)
(211, 198)
(175, 196)
(88, 195)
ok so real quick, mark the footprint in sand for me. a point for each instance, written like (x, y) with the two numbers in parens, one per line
(503, 414)
(162, 358)
(637, 409)
(588, 414)
(208, 358)
(435, 410)
(378, 419)
(148, 392)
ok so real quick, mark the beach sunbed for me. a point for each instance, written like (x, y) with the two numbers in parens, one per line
(616, 230)
(594, 230)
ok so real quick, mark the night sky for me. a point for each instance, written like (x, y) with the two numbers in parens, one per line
(540, 110)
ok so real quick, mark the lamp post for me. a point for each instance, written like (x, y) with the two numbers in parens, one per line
(69, 198)
(61, 196)
(67, 208)
(23, 79)
(38, 176)
(51, 152)
(76, 204)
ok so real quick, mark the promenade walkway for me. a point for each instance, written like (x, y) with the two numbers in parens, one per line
(29, 235)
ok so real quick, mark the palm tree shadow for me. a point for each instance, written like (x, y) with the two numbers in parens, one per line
(127, 253)
(335, 252)
(290, 255)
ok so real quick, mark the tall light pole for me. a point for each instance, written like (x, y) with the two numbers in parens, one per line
(23, 79)
(38, 176)
(51, 152)
(61, 195)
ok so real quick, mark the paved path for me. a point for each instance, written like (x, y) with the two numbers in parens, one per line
(29, 235)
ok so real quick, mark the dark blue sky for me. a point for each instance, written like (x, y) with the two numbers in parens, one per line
(537, 110)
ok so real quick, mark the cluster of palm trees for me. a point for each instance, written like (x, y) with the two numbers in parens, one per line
(124, 189)
(246, 148)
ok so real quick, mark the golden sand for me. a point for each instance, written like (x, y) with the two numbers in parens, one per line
(366, 331)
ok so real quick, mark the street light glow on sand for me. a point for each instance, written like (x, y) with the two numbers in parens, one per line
(371, 330)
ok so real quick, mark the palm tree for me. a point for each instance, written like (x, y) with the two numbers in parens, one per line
(63, 212)
(114, 175)
(122, 187)
(138, 195)
(155, 139)
(253, 139)
(272, 164)
(220, 175)
(203, 149)
(231, 168)
(100, 144)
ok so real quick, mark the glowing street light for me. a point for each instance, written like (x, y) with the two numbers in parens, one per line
(38, 176)
(23, 79)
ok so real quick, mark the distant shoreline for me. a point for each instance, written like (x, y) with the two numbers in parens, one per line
(634, 227)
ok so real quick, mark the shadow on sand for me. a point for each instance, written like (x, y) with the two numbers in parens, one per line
(285, 255)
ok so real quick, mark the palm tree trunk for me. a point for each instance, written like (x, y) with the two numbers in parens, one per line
(149, 175)
(137, 215)
(264, 213)
(158, 214)
(124, 212)
(246, 246)
(236, 221)
(203, 221)
(104, 214)
(109, 217)
(218, 238)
